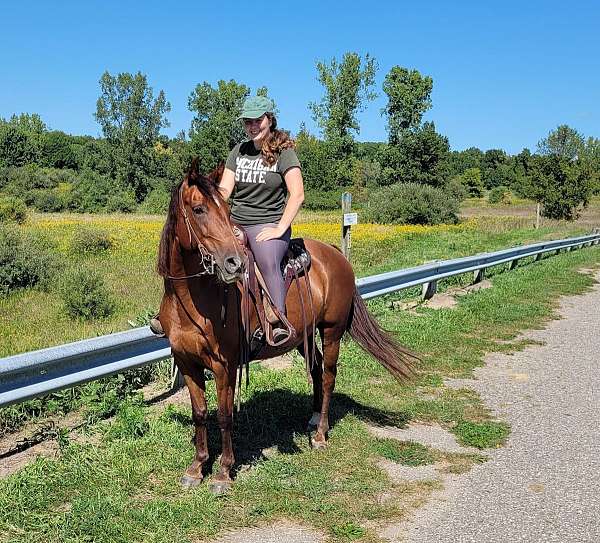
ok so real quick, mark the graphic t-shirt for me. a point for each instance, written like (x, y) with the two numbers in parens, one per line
(259, 193)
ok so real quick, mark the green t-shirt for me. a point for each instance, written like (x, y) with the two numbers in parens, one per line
(260, 190)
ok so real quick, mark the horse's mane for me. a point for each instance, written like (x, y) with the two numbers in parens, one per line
(208, 186)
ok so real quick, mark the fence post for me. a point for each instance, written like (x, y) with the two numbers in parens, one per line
(478, 276)
(428, 290)
(346, 240)
(513, 264)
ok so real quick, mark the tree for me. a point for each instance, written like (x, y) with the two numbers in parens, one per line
(56, 150)
(409, 97)
(15, 146)
(215, 128)
(560, 185)
(471, 179)
(590, 160)
(131, 119)
(348, 85)
(423, 154)
(564, 142)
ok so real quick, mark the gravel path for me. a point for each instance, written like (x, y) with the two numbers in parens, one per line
(544, 485)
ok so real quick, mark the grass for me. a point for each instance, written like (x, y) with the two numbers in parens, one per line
(119, 481)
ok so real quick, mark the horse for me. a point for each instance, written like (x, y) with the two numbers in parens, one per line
(202, 262)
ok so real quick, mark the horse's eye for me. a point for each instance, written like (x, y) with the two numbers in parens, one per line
(198, 210)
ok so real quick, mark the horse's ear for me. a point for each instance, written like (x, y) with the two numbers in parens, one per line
(217, 173)
(193, 174)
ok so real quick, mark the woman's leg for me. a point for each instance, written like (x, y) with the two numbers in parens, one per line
(268, 255)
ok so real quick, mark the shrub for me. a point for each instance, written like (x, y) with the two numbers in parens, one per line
(85, 296)
(500, 195)
(322, 200)
(49, 201)
(88, 240)
(123, 201)
(24, 261)
(157, 202)
(412, 203)
(12, 210)
(457, 189)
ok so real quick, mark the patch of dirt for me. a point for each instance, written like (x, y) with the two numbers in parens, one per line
(282, 362)
(14, 462)
(281, 532)
(401, 474)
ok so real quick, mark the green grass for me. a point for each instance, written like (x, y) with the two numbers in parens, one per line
(119, 479)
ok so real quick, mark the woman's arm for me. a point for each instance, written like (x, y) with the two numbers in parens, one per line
(227, 183)
(295, 185)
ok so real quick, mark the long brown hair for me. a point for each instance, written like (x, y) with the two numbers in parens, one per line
(277, 141)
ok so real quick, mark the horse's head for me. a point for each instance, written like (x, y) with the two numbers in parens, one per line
(199, 222)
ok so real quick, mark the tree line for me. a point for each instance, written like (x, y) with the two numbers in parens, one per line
(134, 166)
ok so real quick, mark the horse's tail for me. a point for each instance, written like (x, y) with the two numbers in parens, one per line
(365, 330)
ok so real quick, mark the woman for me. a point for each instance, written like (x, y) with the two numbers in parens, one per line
(258, 175)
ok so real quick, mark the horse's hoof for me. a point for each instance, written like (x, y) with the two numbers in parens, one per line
(320, 444)
(219, 488)
(188, 482)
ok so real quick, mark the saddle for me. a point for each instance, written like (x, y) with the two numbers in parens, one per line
(294, 265)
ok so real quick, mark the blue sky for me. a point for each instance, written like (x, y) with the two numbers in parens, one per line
(504, 75)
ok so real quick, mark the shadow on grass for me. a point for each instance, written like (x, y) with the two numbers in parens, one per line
(273, 419)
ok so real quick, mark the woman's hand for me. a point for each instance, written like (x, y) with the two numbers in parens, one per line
(270, 232)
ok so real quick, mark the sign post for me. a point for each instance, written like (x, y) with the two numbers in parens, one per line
(348, 219)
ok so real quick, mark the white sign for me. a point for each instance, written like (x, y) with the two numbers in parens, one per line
(350, 219)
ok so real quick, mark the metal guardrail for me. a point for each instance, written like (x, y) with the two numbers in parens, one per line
(37, 373)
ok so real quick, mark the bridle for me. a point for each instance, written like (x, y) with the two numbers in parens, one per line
(207, 260)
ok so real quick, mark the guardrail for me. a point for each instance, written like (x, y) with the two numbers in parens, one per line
(37, 373)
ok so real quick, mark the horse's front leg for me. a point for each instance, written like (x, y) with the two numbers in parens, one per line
(225, 384)
(193, 374)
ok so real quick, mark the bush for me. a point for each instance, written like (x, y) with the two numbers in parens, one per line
(12, 210)
(456, 189)
(322, 200)
(157, 202)
(49, 201)
(121, 201)
(500, 195)
(24, 261)
(412, 203)
(88, 240)
(85, 296)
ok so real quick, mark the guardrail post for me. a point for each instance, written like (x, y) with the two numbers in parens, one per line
(478, 276)
(177, 380)
(513, 264)
(429, 289)
(539, 256)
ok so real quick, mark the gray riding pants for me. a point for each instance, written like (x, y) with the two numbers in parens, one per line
(268, 255)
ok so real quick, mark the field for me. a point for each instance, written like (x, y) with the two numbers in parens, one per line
(115, 478)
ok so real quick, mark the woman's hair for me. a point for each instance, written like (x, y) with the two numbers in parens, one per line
(277, 141)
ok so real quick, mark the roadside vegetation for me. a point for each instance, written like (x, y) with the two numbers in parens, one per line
(116, 477)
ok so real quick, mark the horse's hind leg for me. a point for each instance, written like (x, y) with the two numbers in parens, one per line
(194, 379)
(331, 351)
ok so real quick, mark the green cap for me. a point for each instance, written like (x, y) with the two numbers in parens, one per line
(255, 106)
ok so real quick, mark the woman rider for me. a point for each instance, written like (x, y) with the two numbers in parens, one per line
(258, 175)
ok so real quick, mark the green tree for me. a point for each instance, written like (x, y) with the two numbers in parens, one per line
(131, 119)
(423, 154)
(15, 146)
(560, 185)
(564, 142)
(56, 150)
(471, 178)
(409, 97)
(215, 127)
(590, 160)
(348, 86)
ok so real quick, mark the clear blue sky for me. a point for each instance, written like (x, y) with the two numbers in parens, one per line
(504, 75)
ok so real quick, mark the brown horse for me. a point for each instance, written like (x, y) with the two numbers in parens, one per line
(202, 262)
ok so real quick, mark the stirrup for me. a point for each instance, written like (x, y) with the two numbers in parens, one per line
(279, 335)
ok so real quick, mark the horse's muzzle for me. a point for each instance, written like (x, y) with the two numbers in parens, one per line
(233, 268)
